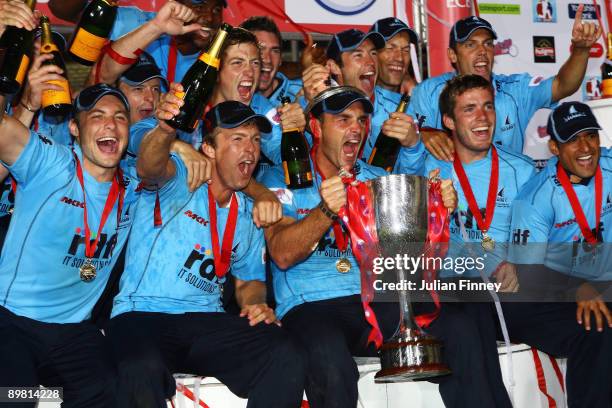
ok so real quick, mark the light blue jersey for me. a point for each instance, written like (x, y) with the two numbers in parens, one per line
(171, 269)
(542, 214)
(58, 132)
(130, 18)
(287, 87)
(517, 98)
(45, 243)
(514, 171)
(316, 277)
(7, 197)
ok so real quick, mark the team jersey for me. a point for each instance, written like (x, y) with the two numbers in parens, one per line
(130, 18)
(316, 277)
(542, 214)
(514, 171)
(287, 87)
(45, 243)
(517, 98)
(58, 132)
(171, 269)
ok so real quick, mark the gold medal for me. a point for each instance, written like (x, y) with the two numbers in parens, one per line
(343, 265)
(87, 271)
(488, 243)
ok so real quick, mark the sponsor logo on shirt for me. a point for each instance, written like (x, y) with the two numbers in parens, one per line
(520, 236)
(200, 220)
(544, 49)
(501, 200)
(102, 256)
(508, 125)
(44, 139)
(284, 195)
(72, 202)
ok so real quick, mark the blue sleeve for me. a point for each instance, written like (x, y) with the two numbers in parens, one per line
(411, 160)
(423, 106)
(128, 19)
(274, 181)
(177, 185)
(41, 159)
(58, 132)
(137, 132)
(534, 93)
(251, 265)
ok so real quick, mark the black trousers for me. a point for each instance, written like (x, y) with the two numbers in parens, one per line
(73, 356)
(552, 328)
(333, 331)
(260, 363)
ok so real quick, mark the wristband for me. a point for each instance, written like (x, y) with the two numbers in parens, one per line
(327, 212)
(120, 59)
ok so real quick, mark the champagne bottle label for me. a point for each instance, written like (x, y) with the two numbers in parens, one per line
(53, 97)
(87, 46)
(210, 60)
(23, 69)
(286, 170)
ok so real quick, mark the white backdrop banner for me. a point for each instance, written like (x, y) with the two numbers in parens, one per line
(535, 36)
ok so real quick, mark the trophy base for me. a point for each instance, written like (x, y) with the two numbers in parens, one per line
(410, 356)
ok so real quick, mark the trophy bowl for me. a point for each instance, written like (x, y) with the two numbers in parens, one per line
(400, 207)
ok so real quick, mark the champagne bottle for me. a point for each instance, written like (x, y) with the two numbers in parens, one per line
(93, 31)
(385, 151)
(198, 84)
(56, 105)
(606, 72)
(15, 54)
(294, 154)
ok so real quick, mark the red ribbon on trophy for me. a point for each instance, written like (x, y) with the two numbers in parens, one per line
(359, 217)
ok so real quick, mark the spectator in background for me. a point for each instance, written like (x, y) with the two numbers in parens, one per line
(273, 84)
(394, 57)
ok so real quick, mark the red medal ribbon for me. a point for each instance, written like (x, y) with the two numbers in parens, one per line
(340, 237)
(483, 224)
(13, 184)
(222, 258)
(172, 56)
(577, 208)
(117, 191)
(436, 246)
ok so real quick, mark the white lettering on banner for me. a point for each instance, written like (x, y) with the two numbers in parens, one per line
(339, 12)
(458, 3)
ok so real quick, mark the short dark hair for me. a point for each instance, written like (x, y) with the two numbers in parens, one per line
(457, 86)
(239, 35)
(262, 23)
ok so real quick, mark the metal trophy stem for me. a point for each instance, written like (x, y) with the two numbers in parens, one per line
(400, 205)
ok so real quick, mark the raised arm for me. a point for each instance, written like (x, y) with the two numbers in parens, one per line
(291, 241)
(154, 164)
(169, 20)
(14, 136)
(571, 74)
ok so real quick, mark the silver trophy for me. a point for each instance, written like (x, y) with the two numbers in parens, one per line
(400, 206)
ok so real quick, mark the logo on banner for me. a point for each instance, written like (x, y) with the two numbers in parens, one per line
(544, 11)
(588, 13)
(494, 8)
(591, 87)
(346, 7)
(458, 3)
(544, 49)
(505, 47)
